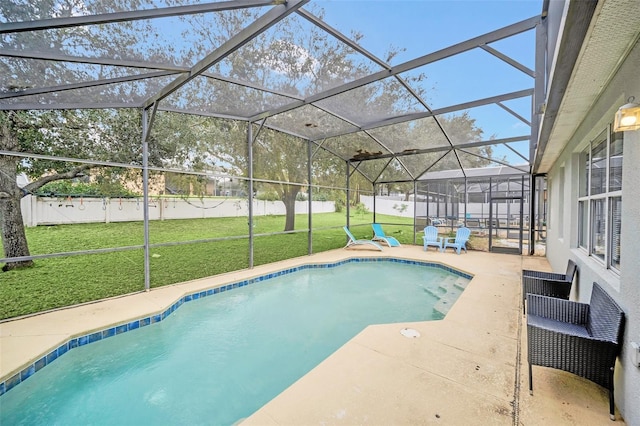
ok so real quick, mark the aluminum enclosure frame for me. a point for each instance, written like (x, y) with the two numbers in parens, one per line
(279, 10)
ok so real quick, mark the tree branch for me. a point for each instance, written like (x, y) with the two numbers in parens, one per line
(73, 173)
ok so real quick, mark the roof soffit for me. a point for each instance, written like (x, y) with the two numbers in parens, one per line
(598, 60)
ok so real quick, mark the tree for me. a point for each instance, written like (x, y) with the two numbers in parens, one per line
(14, 240)
(295, 59)
(103, 135)
(91, 134)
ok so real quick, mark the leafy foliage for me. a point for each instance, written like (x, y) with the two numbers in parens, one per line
(294, 58)
(68, 188)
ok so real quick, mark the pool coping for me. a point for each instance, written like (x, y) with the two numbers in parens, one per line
(23, 372)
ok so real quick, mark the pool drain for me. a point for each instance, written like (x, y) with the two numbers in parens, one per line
(410, 333)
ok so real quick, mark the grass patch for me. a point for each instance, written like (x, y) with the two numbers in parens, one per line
(65, 281)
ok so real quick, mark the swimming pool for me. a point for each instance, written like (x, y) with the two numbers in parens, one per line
(221, 358)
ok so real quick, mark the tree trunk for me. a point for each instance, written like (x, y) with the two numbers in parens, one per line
(289, 199)
(14, 239)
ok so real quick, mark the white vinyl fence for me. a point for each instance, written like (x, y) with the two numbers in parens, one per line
(391, 207)
(58, 211)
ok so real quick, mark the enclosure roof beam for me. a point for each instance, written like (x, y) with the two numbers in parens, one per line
(515, 114)
(346, 40)
(53, 56)
(329, 150)
(202, 114)
(66, 105)
(453, 108)
(382, 171)
(85, 84)
(518, 154)
(135, 15)
(382, 182)
(462, 47)
(59, 57)
(434, 163)
(517, 65)
(266, 21)
(288, 132)
(448, 147)
(493, 160)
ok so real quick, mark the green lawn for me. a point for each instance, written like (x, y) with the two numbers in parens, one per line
(65, 281)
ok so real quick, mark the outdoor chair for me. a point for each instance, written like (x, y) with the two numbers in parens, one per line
(548, 283)
(583, 339)
(379, 235)
(431, 238)
(353, 241)
(459, 242)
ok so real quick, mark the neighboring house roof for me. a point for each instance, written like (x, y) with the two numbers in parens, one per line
(483, 172)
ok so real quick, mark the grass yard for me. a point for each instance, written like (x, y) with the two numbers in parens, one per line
(69, 280)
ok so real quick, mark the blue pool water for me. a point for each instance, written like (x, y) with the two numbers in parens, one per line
(218, 359)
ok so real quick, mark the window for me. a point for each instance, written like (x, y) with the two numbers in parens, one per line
(600, 199)
(597, 228)
(561, 204)
(583, 222)
(616, 222)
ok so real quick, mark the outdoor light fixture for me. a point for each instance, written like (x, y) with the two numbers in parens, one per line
(627, 117)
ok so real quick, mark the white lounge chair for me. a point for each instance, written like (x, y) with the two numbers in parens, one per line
(353, 241)
(379, 235)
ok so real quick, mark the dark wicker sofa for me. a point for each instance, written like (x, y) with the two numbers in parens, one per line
(548, 283)
(575, 337)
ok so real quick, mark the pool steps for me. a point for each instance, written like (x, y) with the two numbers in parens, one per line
(449, 290)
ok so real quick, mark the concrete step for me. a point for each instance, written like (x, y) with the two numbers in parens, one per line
(449, 289)
(461, 283)
(443, 306)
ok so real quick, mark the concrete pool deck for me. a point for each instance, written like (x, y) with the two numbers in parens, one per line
(469, 368)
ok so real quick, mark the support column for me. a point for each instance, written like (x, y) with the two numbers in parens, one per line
(347, 208)
(415, 209)
(309, 189)
(466, 199)
(146, 126)
(250, 198)
(533, 224)
(374, 203)
(538, 106)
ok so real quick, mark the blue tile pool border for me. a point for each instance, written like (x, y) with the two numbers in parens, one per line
(11, 382)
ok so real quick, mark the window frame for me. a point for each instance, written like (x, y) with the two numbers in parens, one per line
(586, 223)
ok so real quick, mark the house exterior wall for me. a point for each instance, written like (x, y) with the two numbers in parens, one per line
(562, 241)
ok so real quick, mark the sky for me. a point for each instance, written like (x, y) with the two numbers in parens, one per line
(420, 27)
(423, 26)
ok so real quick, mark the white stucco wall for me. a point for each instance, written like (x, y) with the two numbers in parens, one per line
(563, 227)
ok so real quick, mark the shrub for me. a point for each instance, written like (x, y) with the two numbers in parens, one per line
(267, 196)
(66, 188)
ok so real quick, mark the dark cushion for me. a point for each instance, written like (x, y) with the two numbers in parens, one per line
(558, 326)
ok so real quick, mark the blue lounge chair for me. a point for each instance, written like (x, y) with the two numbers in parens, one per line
(353, 241)
(379, 235)
(459, 242)
(431, 238)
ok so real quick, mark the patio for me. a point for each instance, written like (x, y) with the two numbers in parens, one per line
(468, 368)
